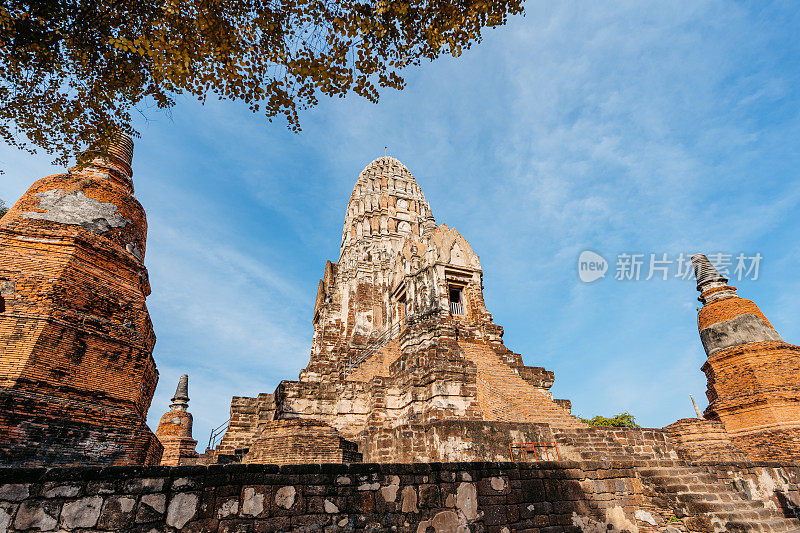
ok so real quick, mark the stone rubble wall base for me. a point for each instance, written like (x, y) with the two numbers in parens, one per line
(439, 497)
(552, 496)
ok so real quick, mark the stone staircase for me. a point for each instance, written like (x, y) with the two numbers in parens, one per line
(505, 397)
(706, 504)
(699, 499)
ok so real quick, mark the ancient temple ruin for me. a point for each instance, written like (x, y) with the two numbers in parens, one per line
(753, 375)
(406, 361)
(175, 428)
(407, 366)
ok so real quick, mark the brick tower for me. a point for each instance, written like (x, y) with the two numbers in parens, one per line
(406, 361)
(175, 428)
(76, 368)
(753, 376)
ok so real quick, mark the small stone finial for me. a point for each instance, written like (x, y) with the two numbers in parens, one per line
(705, 273)
(181, 399)
(696, 409)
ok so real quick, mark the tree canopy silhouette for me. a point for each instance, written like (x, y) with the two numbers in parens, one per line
(72, 71)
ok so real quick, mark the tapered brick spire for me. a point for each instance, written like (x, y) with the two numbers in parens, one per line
(175, 428)
(705, 273)
(726, 320)
(76, 341)
(696, 408)
(180, 401)
(752, 374)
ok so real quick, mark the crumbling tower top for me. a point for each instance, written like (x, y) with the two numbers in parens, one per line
(112, 158)
(386, 206)
(706, 274)
(180, 402)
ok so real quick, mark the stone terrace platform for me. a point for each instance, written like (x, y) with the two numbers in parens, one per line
(638, 496)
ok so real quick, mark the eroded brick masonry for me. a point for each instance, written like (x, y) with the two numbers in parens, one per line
(76, 369)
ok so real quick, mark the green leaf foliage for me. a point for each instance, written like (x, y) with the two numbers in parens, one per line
(623, 420)
(74, 71)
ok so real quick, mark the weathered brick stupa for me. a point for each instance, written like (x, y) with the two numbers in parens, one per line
(753, 376)
(406, 361)
(76, 369)
(175, 428)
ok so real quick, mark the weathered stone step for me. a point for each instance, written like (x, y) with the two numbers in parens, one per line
(768, 518)
(686, 479)
(725, 507)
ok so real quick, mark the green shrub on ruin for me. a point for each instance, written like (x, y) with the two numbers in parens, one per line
(622, 420)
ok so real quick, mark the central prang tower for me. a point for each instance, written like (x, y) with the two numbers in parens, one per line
(353, 306)
(406, 362)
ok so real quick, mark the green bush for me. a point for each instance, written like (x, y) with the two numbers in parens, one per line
(3, 208)
(622, 420)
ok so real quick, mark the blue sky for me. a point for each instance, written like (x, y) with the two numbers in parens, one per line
(638, 127)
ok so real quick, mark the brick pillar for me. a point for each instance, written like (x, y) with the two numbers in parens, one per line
(76, 369)
(753, 376)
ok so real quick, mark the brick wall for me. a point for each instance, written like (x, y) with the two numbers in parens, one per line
(778, 486)
(298, 441)
(703, 440)
(614, 444)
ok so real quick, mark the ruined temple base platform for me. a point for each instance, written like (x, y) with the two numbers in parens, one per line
(297, 441)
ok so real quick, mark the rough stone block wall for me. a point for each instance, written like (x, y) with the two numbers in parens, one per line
(493, 497)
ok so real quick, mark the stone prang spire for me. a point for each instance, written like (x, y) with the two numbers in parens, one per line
(180, 402)
(753, 382)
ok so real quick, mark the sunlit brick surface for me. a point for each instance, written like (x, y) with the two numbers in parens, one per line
(753, 376)
(76, 370)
